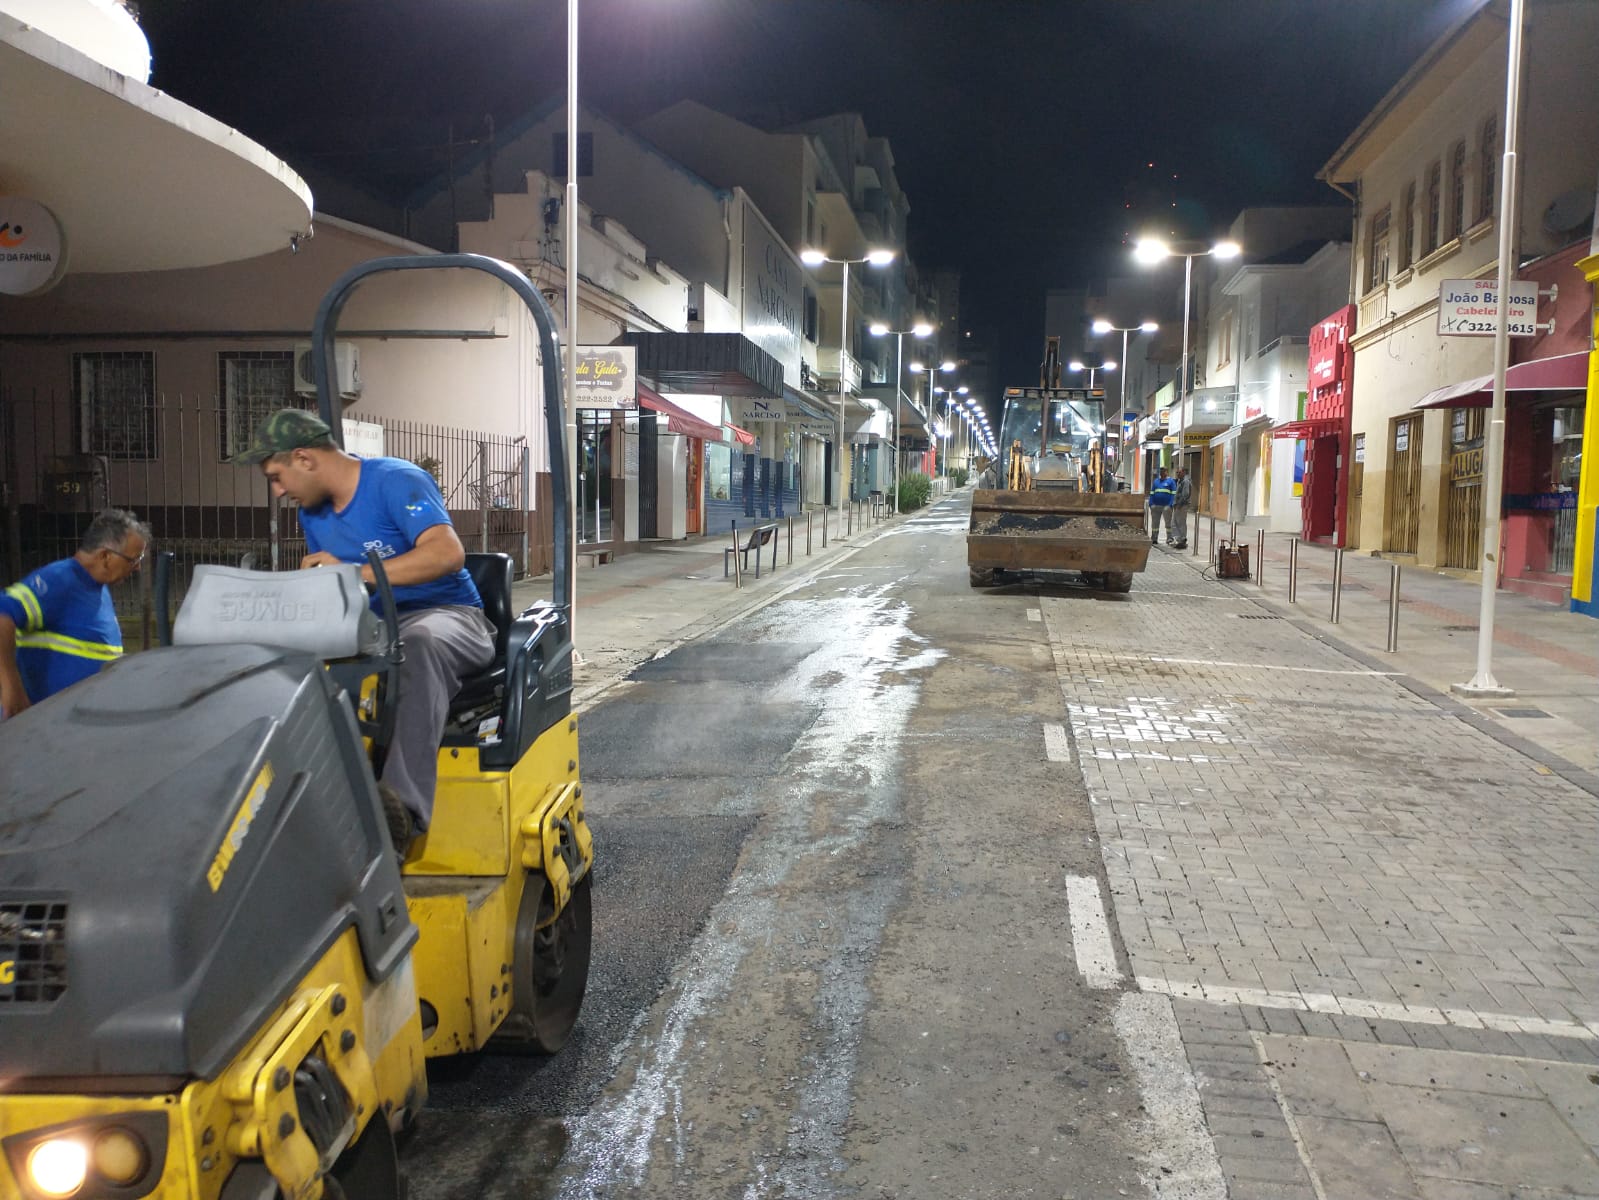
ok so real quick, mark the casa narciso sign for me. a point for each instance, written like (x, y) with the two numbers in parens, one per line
(33, 250)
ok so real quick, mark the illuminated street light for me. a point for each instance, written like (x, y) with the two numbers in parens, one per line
(1153, 250)
(813, 257)
(920, 330)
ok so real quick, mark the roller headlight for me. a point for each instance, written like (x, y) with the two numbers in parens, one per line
(58, 1167)
(120, 1156)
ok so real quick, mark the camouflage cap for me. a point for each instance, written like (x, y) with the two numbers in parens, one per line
(285, 430)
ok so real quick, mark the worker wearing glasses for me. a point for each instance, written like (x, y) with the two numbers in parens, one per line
(57, 625)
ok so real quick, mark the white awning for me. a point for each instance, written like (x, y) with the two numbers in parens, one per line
(138, 180)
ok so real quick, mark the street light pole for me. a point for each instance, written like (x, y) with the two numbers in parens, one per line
(1483, 684)
(921, 329)
(570, 264)
(1104, 326)
(814, 258)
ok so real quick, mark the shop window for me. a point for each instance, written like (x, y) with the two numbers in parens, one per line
(1407, 227)
(115, 404)
(1457, 192)
(1377, 247)
(1487, 168)
(1434, 208)
(719, 471)
(812, 318)
(585, 155)
(253, 384)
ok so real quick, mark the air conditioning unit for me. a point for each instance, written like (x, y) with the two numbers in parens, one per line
(348, 362)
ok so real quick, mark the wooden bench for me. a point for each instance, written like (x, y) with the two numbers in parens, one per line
(759, 538)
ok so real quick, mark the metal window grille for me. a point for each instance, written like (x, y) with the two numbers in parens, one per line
(33, 941)
(114, 396)
(253, 385)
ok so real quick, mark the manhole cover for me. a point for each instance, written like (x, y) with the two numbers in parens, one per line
(1460, 629)
(1521, 712)
(1258, 617)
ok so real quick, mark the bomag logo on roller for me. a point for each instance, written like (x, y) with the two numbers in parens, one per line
(239, 829)
(8, 973)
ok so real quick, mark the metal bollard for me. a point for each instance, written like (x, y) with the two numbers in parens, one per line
(1195, 550)
(1234, 534)
(738, 571)
(791, 541)
(1338, 583)
(1213, 538)
(1293, 569)
(1393, 608)
(824, 527)
(1260, 559)
(809, 513)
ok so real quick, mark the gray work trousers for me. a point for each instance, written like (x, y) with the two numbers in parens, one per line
(1179, 521)
(442, 647)
(1159, 513)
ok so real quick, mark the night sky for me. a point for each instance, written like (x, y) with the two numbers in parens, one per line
(1021, 130)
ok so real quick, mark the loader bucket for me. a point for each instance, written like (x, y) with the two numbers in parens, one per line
(1057, 530)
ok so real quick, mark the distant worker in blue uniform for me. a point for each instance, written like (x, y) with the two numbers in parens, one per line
(1162, 495)
(349, 505)
(58, 625)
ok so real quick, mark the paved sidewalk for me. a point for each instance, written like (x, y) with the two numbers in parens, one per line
(648, 601)
(1377, 914)
(1547, 654)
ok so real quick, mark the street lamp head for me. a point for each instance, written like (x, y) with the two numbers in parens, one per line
(879, 258)
(1148, 327)
(962, 390)
(916, 368)
(922, 329)
(1108, 365)
(1150, 250)
(1102, 326)
(1226, 250)
(1076, 364)
(812, 257)
(878, 329)
(946, 365)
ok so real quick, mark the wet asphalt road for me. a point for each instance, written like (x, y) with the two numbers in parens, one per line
(832, 953)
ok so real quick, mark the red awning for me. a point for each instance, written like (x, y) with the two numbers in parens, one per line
(1562, 373)
(744, 436)
(678, 420)
(1320, 427)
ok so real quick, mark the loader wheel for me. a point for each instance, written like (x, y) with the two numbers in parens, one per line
(551, 970)
(981, 578)
(1119, 581)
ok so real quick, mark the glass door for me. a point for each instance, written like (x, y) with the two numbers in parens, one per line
(594, 476)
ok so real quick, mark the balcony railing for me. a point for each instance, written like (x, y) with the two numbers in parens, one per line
(827, 367)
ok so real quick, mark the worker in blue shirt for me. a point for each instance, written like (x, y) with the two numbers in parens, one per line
(57, 625)
(1162, 494)
(348, 506)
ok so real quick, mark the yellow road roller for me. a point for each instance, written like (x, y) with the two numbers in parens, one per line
(217, 979)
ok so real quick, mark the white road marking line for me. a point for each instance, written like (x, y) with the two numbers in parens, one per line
(1241, 666)
(1376, 1010)
(1034, 615)
(1096, 956)
(1180, 1157)
(1057, 747)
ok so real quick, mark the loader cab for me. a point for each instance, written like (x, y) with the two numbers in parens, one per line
(1057, 430)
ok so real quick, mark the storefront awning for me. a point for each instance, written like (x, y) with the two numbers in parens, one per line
(1320, 427)
(721, 364)
(742, 436)
(678, 420)
(1228, 435)
(1563, 373)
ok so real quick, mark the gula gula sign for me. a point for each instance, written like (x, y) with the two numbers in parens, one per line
(33, 250)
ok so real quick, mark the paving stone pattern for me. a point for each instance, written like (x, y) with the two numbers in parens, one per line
(1286, 829)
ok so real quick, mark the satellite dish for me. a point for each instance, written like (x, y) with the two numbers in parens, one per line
(1569, 213)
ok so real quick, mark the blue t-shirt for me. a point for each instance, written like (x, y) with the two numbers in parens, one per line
(1163, 492)
(395, 503)
(66, 627)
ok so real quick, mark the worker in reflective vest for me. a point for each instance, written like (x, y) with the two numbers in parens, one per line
(57, 625)
(1162, 493)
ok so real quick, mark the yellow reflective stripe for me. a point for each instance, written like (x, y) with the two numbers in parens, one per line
(62, 644)
(24, 596)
